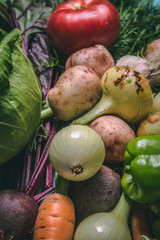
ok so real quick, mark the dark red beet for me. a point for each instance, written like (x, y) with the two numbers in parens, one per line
(17, 215)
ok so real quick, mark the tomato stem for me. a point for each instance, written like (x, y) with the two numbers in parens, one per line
(82, 5)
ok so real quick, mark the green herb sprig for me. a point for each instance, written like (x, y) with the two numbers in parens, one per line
(140, 25)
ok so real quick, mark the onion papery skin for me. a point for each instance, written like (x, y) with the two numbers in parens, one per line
(77, 147)
(102, 226)
(107, 225)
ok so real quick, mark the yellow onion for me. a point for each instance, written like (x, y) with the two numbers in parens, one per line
(125, 92)
(76, 152)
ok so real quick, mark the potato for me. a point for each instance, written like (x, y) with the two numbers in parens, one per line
(76, 91)
(116, 135)
(98, 58)
(150, 126)
(99, 193)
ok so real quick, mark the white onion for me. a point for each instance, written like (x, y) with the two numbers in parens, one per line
(107, 225)
(76, 152)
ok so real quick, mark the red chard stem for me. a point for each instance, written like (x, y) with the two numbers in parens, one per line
(27, 169)
(41, 166)
(38, 151)
(49, 175)
(39, 197)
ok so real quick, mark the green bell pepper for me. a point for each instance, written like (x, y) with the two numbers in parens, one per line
(141, 177)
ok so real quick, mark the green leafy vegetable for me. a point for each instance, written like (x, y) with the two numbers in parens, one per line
(20, 102)
(139, 26)
(6, 45)
(4, 18)
(28, 16)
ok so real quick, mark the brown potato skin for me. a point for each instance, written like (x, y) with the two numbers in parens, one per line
(99, 193)
(75, 92)
(98, 58)
(116, 135)
(150, 125)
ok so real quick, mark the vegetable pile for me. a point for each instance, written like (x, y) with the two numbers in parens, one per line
(79, 120)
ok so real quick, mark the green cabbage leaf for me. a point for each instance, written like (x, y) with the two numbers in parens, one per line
(20, 97)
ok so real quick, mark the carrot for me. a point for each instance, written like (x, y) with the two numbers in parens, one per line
(55, 219)
(140, 221)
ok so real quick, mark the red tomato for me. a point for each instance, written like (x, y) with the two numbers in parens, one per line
(77, 24)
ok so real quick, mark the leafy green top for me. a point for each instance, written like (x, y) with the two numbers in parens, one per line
(139, 26)
(6, 45)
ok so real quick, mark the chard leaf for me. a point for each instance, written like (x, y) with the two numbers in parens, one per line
(39, 53)
(3, 10)
(5, 19)
(7, 42)
(30, 17)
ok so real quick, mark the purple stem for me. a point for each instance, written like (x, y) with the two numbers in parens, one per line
(39, 197)
(38, 151)
(26, 169)
(48, 126)
(18, 181)
(16, 25)
(25, 11)
(29, 166)
(40, 188)
(49, 84)
(49, 175)
(14, 21)
(34, 24)
(40, 168)
(24, 46)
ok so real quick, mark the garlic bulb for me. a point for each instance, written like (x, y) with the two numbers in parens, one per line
(154, 60)
(138, 63)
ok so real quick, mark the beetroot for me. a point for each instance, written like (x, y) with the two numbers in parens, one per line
(17, 215)
(99, 193)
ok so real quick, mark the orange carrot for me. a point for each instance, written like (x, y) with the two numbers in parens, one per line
(140, 221)
(55, 219)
